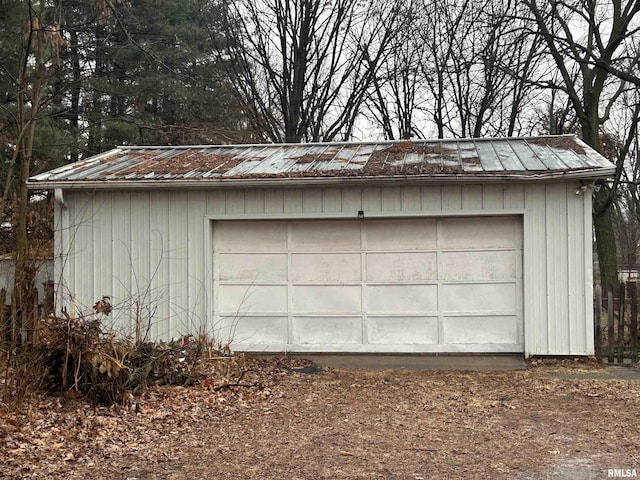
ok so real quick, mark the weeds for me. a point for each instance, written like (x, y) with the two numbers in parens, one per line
(74, 356)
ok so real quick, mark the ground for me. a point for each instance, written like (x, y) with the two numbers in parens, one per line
(548, 421)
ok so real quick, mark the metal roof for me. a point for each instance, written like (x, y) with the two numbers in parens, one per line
(494, 159)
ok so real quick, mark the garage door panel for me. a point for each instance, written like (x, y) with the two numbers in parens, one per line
(258, 330)
(401, 299)
(391, 267)
(252, 298)
(250, 236)
(470, 297)
(333, 299)
(478, 265)
(254, 267)
(410, 234)
(489, 329)
(326, 330)
(326, 267)
(373, 285)
(423, 330)
(485, 232)
(325, 235)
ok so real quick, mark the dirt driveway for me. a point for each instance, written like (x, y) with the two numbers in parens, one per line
(544, 422)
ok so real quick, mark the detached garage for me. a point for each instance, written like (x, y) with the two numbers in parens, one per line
(479, 245)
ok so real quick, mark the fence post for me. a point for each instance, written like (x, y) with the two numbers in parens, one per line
(6, 319)
(15, 328)
(598, 322)
(610, 324)
(49, 293)
(35, 316)
(633, 327)
(621, 323)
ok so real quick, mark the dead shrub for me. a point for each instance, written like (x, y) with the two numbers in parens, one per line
(75, 356)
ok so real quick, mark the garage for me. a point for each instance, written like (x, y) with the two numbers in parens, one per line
(378, 285)
(425, 246)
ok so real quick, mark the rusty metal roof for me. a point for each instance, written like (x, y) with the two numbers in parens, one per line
(532, 158)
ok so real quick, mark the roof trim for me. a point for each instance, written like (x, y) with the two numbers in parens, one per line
(339, 143)
(292, 182)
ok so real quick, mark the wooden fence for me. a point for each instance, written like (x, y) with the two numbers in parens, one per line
(13, 328)
(616, 323)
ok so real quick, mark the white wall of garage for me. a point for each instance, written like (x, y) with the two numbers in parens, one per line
(150, 250)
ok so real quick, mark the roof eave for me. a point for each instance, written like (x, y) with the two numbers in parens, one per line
(585, 174)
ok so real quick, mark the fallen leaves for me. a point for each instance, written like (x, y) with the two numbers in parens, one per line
(335, 424)
(10, 420)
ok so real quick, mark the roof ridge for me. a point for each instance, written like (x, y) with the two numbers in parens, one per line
(345, 142)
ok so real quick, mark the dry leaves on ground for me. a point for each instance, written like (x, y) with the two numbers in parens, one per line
(336, 424)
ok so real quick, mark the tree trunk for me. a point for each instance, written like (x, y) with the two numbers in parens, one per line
(605, 238)
(602, 202)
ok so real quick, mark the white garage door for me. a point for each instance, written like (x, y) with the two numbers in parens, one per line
(388, 285)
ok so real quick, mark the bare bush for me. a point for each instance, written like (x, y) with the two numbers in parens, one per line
(74, 356)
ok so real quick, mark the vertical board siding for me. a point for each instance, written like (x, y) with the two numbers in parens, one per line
(152, 246)
(312, 200)
(141, 298)
(432, 198)
(273, 201)
(471, 197)
(332, 200)
(140, 240)
(60, 239)
(80, 227)
(587, 252)
(411, 199)
(351, 200)
(557, 259)
(372, 199)
(103, 252)
(576, 273)
(392, 199)
(197, 285)
(216, 202)
(513, 195)
(121, 261)
(158, 260)
(451, 197)
(254, 201)
(292, 201)
(492, 196)
(235, 201)
(536, 331)
(180, 309)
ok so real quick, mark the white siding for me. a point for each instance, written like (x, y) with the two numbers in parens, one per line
(151, 249)
(44, 274)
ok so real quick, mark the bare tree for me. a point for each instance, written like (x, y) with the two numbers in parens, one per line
(462, 69)
(302, 68)
(397, 91)
(493, 65)
(442, 22)
(38, 61)
(586, 41)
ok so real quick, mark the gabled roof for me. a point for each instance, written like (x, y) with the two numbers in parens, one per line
(495, 159)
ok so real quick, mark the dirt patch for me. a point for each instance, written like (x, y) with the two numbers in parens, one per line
(337, 424)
